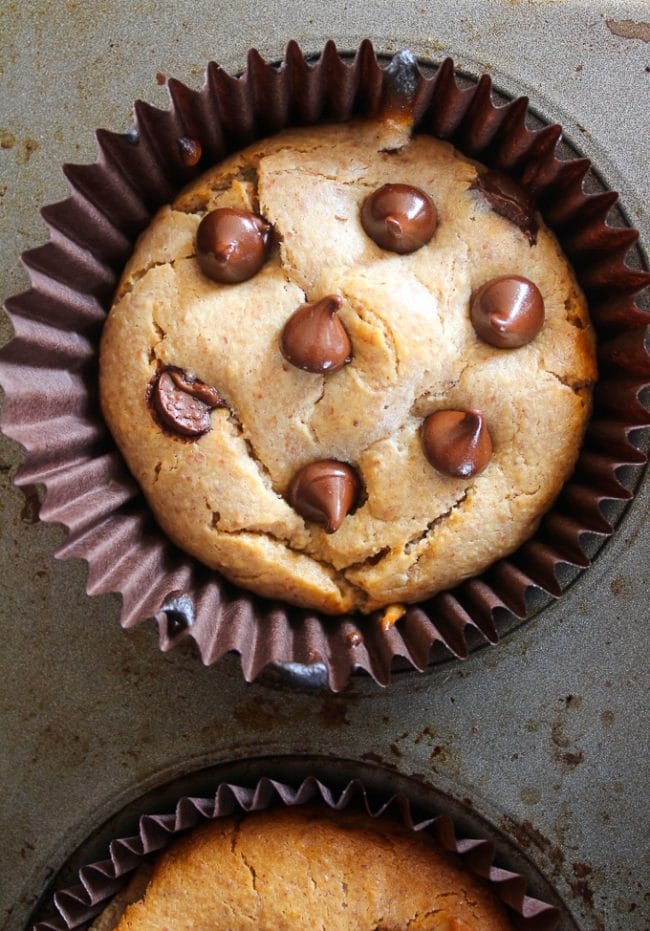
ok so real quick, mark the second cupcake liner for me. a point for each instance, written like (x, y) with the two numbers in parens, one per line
(49, 370)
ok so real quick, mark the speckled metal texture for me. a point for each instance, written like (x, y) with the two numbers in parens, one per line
(544, 737)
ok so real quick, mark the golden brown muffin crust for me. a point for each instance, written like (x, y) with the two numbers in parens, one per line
(288, 870)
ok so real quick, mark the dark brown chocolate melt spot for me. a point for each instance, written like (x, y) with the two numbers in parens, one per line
(399, 217)
(183, 403)
(324, 492)
(510, 200)
(457, 443)
(191, 151)
(507, 312)
(232, 245)
(314, 339)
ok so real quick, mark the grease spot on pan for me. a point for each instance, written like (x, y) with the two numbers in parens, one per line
(530, 795)
(7, 139)
(617, 585)
(629, 29)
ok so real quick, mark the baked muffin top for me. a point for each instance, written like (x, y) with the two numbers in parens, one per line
(305, 869)
(427, 500)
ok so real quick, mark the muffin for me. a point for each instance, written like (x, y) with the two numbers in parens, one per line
(280, 856)
(375, 394)
(49, 374)
(302, 869)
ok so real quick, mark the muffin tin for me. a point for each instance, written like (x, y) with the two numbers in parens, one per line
(553, 708)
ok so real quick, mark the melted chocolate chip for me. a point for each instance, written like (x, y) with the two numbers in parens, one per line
(507, 312)
(314, 339)
(191, 151)
(457, 443)
(183, 403)
(324, 492)
(510, 200)
(399, 218)
(232, 245)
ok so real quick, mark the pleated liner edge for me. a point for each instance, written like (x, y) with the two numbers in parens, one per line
(49, 369)
(78, 905)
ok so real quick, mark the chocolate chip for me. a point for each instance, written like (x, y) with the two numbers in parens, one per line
(314, 339)
(324, 492)
(457, 443)
(232, 245)
(183, 403)
(399, 218)
(507, 312)
(510, 200)
(191, 151)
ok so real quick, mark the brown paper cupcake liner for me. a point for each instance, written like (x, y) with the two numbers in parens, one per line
(99, 882)
(49, 370)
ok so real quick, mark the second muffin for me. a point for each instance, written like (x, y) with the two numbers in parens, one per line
(304, 869)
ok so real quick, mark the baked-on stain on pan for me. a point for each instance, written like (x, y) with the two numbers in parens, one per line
(49, 370)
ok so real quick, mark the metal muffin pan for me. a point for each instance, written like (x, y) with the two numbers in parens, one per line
(545, 735)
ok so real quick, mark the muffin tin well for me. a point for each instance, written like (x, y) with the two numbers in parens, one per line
(537, 733)
(78, 891)
(110, 525)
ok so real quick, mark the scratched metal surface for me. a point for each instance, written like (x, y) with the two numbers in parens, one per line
(543, 737)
